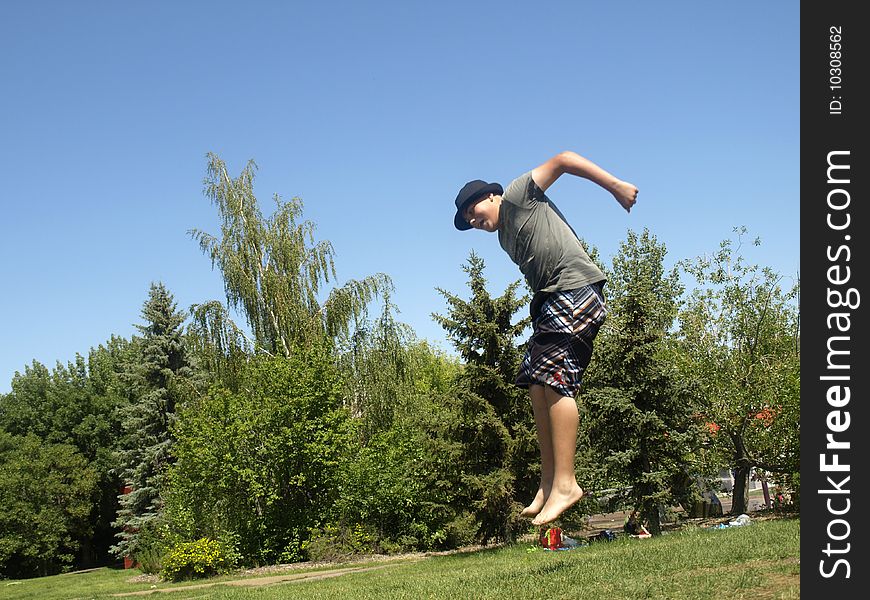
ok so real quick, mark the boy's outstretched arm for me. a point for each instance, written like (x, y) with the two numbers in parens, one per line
(571, 162)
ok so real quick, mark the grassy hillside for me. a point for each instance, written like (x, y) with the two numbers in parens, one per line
(758, 561)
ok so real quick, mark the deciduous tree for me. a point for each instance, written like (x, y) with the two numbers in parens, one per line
(274, 274)
(740, 331)
(78, 404)
(46, 492)
(259, 466)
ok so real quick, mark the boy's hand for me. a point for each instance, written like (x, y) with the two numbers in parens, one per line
(626, 194)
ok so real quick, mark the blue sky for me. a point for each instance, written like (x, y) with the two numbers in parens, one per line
(375, 114)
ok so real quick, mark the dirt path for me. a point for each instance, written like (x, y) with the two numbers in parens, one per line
(263, 581)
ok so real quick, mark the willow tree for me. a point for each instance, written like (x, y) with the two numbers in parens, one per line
(381, 369)
(274, 273)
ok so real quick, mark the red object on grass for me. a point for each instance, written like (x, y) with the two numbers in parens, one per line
(552, 538)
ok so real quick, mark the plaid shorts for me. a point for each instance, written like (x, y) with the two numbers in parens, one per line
(561, 344)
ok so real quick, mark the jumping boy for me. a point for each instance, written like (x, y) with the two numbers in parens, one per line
(568, 306)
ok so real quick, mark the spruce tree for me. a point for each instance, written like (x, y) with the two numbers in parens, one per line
(482, 331)
(496, 424)
(158, 384)
(636, 413)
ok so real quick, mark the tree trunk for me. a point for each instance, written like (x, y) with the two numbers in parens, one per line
(740, 497)
(650, 512)
(740, 493)
(766, 491)
(653, 521)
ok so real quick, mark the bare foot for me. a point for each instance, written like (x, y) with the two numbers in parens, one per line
(537, 504)
(626, 194)
(557, 503)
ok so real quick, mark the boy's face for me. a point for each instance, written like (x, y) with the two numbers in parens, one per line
(483, 213)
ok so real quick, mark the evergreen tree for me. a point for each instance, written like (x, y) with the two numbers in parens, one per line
(158, 382)
(496, 425)
(637, 417)
(482, 332)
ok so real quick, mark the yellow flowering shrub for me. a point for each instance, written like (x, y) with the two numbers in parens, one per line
(201, 558)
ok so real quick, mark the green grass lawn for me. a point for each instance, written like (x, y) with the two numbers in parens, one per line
(759, 561)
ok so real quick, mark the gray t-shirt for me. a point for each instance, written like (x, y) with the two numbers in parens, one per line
(539, 240)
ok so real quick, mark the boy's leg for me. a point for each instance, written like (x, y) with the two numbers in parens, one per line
(545, 443)
(563, 423)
